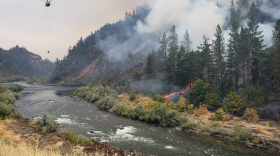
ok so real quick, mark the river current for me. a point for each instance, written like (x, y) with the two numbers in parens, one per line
(82, 117)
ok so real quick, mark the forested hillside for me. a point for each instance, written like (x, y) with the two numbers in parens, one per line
(109, 55)
(18, 61)
(119, 56)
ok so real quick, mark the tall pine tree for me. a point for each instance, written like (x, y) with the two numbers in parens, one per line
(219, 51)
(255, 45)
(163, 54)
(234, 55)
(187, 42)
(207, 60)
(276, 44)
(173, 53)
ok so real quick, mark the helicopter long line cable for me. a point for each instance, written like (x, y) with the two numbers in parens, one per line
(48, 30)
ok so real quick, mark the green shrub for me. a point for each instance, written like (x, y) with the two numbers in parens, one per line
(212, 100)
(204, 128)
(220, 115)
(4, 111)
(137, 113)
(170, 119)
(106, 91)
(255, 141)
(241, 133)
(183, 120)
(82, 140)
(10, 96)
(15, 87)
(71, 137)
(35, 122)
(119, 109)
(2, 98)
(81, 92)
(217, 124)
(15, 113)
(233, 102)
(252, 93)
(199, 91)
(159, 98)
(189, 125)
(49, 123)
(106, 103)
(132, 96)
(181, 105)
(136, 75)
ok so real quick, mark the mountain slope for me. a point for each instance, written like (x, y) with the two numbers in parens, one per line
(20, 62)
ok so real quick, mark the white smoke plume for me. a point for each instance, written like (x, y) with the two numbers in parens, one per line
(199, 17)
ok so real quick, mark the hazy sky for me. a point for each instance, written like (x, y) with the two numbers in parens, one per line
(25, 22)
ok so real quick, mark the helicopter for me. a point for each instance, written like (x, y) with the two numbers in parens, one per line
(48, 3)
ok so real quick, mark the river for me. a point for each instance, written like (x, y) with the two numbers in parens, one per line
(82, 117)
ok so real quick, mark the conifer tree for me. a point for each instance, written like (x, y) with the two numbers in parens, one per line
(149, 69)
(173, 53)
(187, 42)
(207, 60)
(255, 45)
(219, 51)
(245, 59)
(232, 12)
(162, 54)
(276, 44)
(234, 55)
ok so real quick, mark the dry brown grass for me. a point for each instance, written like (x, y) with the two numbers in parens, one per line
(201, 110)
(9, 148)
(140, 100)
(259, 129)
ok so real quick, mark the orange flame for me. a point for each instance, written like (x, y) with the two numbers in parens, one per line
(177, 93)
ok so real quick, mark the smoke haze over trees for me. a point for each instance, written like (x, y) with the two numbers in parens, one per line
(228, 44)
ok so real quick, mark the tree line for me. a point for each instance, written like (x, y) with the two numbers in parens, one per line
(244, 61)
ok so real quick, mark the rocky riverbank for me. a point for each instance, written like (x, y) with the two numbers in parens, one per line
(20, 132)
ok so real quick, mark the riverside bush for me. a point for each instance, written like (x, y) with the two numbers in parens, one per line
(2, 98)
(181, 105)
(255, 141)
(241, 133)
(4, 111)
(188, 125)
(160, 115)
(212, 100)
(159, 98)
(132, 96)
(15, 113)
(82, 140)
(10, 96)
(106, 103)
(217, 124)
(49, 123)
(233, 102)
(201, 110)
(251, 115)
(199, 91)
(220, 115)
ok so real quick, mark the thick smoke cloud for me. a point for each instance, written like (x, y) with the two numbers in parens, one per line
(199, 17)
